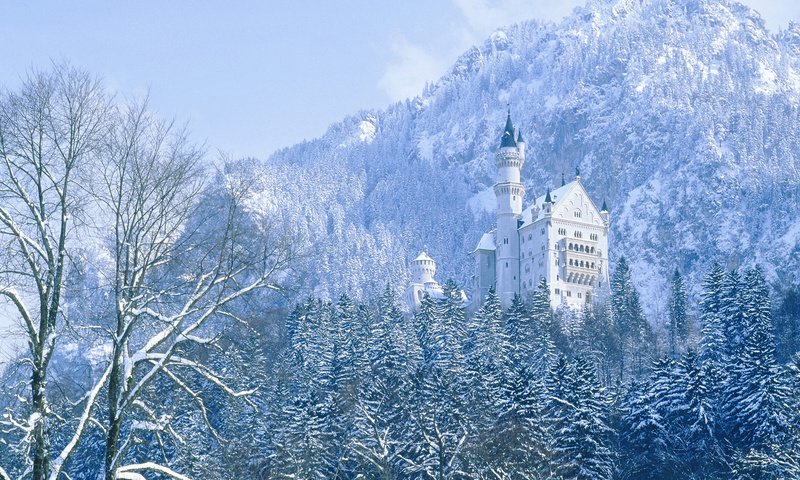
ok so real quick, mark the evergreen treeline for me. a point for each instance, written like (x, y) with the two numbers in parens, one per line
(368, 392)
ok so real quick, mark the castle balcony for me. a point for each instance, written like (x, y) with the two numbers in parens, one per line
(583, 264)
(508, 157)
(581, 246)
(581, 276)
(509, 188)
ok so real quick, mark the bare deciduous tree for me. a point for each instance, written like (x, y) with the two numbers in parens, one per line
(50, 129)
(183, 252)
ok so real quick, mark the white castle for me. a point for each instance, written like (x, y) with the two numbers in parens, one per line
(562, 238)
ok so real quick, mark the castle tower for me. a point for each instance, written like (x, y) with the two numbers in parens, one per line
(509, 192)
(423, 269)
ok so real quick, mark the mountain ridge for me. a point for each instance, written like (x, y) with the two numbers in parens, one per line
(680, 114)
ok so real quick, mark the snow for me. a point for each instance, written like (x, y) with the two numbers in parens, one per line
(484, 201)
(425, 147)
(486, 242)
(767, 84)
(367, 130)
(99, 353)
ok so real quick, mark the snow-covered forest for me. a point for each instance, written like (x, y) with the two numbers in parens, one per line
(181, 315)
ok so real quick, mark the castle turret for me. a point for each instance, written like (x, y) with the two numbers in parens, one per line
(423, 269)
(509, 192)
(604, 213)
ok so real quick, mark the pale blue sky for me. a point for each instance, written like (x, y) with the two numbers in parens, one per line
(254, 76)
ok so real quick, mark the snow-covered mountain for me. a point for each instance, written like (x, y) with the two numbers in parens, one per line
(681, 113)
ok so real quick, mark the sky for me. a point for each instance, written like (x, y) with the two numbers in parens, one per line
(250, 77)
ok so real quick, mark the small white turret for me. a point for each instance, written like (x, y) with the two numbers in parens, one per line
(423, 269)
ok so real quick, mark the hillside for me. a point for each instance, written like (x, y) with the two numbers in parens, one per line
(681, 114)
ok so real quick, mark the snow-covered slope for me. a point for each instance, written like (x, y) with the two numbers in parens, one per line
(682, 114)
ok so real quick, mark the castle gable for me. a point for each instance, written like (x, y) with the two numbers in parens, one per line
(575, 204)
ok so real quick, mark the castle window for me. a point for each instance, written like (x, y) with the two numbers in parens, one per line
(577, 214)
(570, 246)
(569, 294)
(555, 245)
(570, 262)
(579, 295)
(592, 249)
(558, 291)
(530, 236)
(506, 264)
(542, 231)
(562, 231)
(581, 248)
(505, 241)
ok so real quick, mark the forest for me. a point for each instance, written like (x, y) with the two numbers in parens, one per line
(166, 331)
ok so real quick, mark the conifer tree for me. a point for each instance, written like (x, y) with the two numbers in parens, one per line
(377, 443)
(756, 394)
(540, 338)
(517, 325)
(636, 340)
(643, 435)
(677, 314)
(577, 410)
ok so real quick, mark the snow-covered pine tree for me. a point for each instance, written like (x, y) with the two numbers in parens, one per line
(540, 337)
(636, 338)
(517, 324)
(757, 396)
(378, 444)
(689, 413)
(578, 415)
(678, 327)
(733, 323)
(644, 452)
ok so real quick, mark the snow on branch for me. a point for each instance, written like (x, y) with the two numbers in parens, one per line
(129, 471)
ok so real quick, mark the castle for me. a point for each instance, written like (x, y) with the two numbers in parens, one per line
(561, 238)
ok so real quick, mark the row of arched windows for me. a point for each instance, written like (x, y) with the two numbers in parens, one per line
(581, 263)
(575, 247)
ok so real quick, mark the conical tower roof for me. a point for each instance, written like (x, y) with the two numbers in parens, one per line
(507, 139)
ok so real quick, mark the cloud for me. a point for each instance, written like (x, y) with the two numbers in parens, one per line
(414, 64)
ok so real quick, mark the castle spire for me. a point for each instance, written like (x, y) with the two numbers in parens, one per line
(604, 208)
(563, 182)
(508, 133)
(547, 198)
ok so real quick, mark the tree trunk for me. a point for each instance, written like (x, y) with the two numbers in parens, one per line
(41, 437)
(114, 422)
